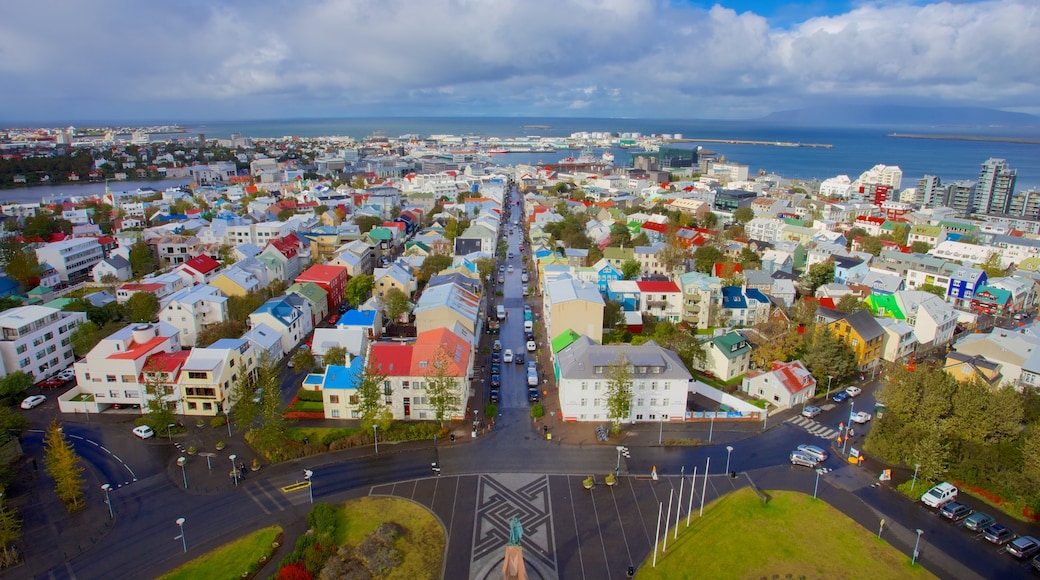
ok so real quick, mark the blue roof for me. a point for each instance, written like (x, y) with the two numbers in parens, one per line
(340, 377)
(279, 308)
(757, 295)
(229, 343)
(733, 297)
(357, 318)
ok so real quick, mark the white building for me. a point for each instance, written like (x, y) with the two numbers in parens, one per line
(112, 371)
(659, 381)
(209, 375)
(36, 339)
(73, 258)
(832, 187)
(890, 175)
(192, 310)
(784, 385)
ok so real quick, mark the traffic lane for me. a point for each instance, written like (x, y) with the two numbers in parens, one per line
(334, 478)
(109, 466)
(944, 539)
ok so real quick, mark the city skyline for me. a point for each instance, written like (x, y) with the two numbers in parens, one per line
(743, 59)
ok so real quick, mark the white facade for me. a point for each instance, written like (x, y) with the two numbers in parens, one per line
(839, 186)
(73, 259)
(37, 339)
(192, 310)
(112, 370)
(259, 234)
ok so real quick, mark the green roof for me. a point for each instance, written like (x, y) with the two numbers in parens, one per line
(925, 230)
(564, 339)
(885, 305)
(794, 222)
(727, 344)
(312, 292)
(381, 233)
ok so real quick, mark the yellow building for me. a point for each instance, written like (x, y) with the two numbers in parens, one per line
(967, 368)
(859, 330)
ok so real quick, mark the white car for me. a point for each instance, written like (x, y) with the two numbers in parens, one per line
(66, 375)
(510, 268)
(33, 401)
(853, 391)
(531, 346)
(507, 356)
(861, 417)
(144, 431)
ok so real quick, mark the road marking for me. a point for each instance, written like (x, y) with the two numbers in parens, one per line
(133, 476)
(813, 427)
(257, 501)
(296, 486)
(577, 536)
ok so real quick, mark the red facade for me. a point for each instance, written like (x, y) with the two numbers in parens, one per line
(332, 279)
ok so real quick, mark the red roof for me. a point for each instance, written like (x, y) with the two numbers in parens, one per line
(166, 362)
(659, 286)
(202, 264)
(141, 287)
(827, 303)
(391, 359)
(137, 349)
(288, 245)
(655, 227)
(725, 269)
(325, 273)
(790, 379)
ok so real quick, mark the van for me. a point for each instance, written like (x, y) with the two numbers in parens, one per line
(501, 312)
(528, 326)
(526, 290)
(532, 379)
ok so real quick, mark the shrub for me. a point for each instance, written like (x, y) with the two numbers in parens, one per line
(218, 421)
(322, 519)
(294, 571)
(333, 436)
(312, 396)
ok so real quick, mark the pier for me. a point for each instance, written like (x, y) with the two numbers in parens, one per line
(747, 142)
(984, 138)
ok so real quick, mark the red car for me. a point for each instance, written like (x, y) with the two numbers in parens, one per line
(334, 319)
(51, 382)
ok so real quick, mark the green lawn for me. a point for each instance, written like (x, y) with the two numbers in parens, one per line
(792, 536)
(230, 561)
(308, 407)
(315, 434)
(422, 546)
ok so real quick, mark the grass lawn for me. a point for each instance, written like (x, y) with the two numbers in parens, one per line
(422, 546)
(793, 536)
(308, 407)
(230, 561)
(319, 433)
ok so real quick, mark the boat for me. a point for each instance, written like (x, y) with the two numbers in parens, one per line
(608, 157)
(498, 151)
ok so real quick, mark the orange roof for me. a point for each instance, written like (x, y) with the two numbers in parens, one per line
(427, 345)
(136, 349)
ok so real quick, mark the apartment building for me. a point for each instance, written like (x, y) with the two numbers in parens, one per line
(209, 375)
(74, 259)
(112, 371)
(37, 339)
(192, 310)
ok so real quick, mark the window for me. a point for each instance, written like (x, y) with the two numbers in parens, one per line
(335, 413)
(110, 378)
(653, 402)
(639, 402)
(334, 399)
(192, 406)
(584, 402)
(128, 378)
(585, 386)
(639, 417)
(198, 375)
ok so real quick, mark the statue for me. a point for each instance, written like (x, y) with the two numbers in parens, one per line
(516, 531)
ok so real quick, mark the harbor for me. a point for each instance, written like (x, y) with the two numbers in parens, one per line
(747, 142)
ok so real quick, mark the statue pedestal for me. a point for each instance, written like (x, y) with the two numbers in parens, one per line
(513, 566)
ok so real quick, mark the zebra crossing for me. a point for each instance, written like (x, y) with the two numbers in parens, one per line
(814, 428)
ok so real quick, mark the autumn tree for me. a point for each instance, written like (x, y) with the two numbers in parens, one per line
(992, 266)
(273, 427)
(443, 387)
(22, 266)
(819, 274)
(704, 258)
(64, 467)
(672, 255)
(358, 289)
(10, 532)
(920, 247)
(433, 265)
(829, 356)
(395, 304)
(850, 303)
(335, 356)
(231, 328)
(486, 268)
(783, 348)
(159, 407)
(619, 391)
(304, 360)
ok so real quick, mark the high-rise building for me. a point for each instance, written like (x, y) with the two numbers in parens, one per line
(929, 191)
(960, 195)
(995, 187)
(1025, 204)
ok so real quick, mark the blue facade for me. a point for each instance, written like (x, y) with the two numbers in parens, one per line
(606, 274)
(964, 283)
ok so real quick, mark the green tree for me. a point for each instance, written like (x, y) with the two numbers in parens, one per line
(366, 222)
(358, 182)
(709, 220)
(620, 235)
(10, 532)
(335, 355)
(631, 269)
(743, 215)
(64, 467)
(15, 385)
(871, 245)
(612, 314)
(443, 387)
(245, 401)
(395, 304)
(819, 274)
(304, 360)
(784, 348)
(992, 266)
(672, 255)
(829, 356)
(358, 289)
(227, 255)
(12, 424)
(537, 411)
(9, 302)
(749, 259)
(920, 247)
(85, 337)
(371, 388)
(141, 260)
(451, 229)
(285, 214)
(619, 391)
(704, 258)
(23, 267)
(849, 303)
(273, 428)
(433, 265)
(142, 307)
(159, 407)
(232, 328)
(933, 289)
(486, 268)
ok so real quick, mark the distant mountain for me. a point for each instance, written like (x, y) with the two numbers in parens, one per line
(849, 115)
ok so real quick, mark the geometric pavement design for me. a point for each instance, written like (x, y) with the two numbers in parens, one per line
(814, 427)
(499, 498)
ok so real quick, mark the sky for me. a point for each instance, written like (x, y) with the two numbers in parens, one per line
(207, 60)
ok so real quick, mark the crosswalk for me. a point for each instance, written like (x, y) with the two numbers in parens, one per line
(817, 429)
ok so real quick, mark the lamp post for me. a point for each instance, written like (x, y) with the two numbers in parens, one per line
(817, 486)
(308, 474)
(227, 419)
(829, 378)
(184, 541)
(181, 461)
(169, 431)
(711, 428)
(914, 482)
(621, 450)
(917, 543)
(852, 407)
(234, 468)
(375, 436)
(108, 500)
(729, 450)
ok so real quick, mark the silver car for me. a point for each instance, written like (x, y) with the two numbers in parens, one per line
(813, 451)
(804, 459)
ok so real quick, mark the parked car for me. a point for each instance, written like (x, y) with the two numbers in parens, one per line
(510, 269)
(334, 319)
(507, 356)
(979, 521)
(518, 358)
(853, 391)
(33, 401)
(1023, 547)
(66, 375)
(501, 267)
(51, 383)
(533, 395)
(496, 368)
(144, 431)
(840, 397)
(524, 277)
(804, 459)
(493, 396)
(497, 346)
(955, 512)
(811, 411)
(861, 417)
(532, 365)
(813, 451)
(496, 357)
(939, 495)
(496, 381)
(531, 346)
(998, 534)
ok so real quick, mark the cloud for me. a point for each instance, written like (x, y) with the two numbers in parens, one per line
(633, 58)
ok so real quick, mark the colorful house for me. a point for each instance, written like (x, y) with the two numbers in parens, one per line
(332, 279)
(859, 330)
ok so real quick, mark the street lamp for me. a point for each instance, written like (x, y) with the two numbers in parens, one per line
(914, 482)
(817, 486)
(621, 450)
(108, 500)
(829, 378)
(227, 419)
(307, 474)
(169, 431)
(181, 461)
(729, 449)
(375, 436)
(184, 541)
(917, 543)
(711, 428)
(234, 468)
(852, 407)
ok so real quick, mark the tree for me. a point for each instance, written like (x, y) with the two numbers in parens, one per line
(631, 269)
(227, 255)
(14, 386)
(23, 267)
(63, 465)
(612, 314)
(486, 268)
(285, 214)
(451, 229)
(933, 289)
(871, 245)
(442, 386)
(829, 356)
(141, 260)
(304, 360)
(992, 266)
(335, 355)
(371, 387)
(10, 532)
(358, 289)
(232, 328)
(704, 258)
(157, 390)
(366, 222)
(735, 232)
(273, 427)
(920, 247)
(620, 235)
(672, 255)
(245, 401)
(9, 302)
(849, 303)
(619, 391)
(85, 337)
(819, 274)
(395, 304)
(433, 265)
(358, 182)
(743, 215)
(142, 307)
(749, 259)
(784, 348)
(709, 220)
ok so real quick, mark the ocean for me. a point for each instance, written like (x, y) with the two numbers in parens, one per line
(855, 149)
